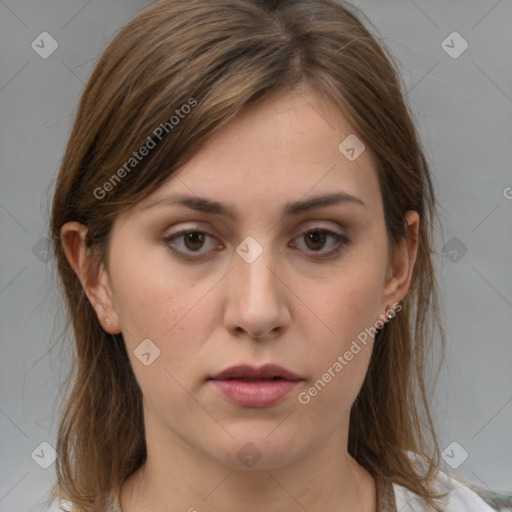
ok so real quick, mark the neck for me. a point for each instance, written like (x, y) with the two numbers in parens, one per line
(175, 477)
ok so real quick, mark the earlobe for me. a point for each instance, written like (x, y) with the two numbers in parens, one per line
(103, 294)
(91, 273)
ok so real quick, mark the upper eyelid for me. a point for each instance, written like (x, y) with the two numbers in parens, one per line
(206, 231)
(310, 225)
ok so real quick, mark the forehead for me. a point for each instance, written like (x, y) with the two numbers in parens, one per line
(277, 151)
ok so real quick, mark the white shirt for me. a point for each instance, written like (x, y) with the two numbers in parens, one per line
(460, 498)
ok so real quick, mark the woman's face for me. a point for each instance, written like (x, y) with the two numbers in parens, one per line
(305, 281)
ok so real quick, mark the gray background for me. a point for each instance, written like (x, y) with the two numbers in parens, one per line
(463, 108)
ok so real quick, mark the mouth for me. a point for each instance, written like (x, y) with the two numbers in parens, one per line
(267, 372)
(247, 386)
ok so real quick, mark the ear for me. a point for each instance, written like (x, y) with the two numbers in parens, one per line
(399, 273)
(92, 274)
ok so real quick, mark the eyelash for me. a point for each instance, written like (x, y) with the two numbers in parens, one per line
(341, 242)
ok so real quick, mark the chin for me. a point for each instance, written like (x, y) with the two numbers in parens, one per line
(259, 451)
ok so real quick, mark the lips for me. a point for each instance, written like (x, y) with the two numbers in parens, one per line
(251, 373)
(247, 386)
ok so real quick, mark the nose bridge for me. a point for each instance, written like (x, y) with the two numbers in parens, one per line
(256, 271)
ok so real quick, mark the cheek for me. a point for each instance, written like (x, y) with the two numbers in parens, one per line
(346, 305)
(175, 315)
(339, 363)
(154, 298)
(162, 303)
(346, 309)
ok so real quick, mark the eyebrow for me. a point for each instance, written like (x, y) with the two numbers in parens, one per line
(205, 205)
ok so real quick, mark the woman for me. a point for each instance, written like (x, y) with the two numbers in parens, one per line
(242, 226)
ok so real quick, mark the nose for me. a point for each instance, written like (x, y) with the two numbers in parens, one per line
(257, 298)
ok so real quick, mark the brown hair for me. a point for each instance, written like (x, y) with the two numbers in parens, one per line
(225, 55)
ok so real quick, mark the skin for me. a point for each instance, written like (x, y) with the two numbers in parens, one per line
(204, 315)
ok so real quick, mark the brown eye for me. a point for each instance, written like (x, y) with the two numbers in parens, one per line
(315, 239)
(194, 240)
(192, 243)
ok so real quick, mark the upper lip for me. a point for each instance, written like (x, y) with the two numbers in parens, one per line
(267, 371)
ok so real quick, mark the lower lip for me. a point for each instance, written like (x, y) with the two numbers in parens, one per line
(255, 394)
